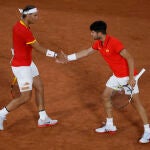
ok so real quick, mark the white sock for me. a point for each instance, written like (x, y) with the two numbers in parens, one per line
(146, 128)
(43, 115)
(3, 112)
(109, 121)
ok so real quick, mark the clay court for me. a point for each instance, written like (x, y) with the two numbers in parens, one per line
(73, 91)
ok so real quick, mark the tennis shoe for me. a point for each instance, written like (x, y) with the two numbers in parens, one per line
(47, 122)
(1, 122)
(106, 129)
(145, 138)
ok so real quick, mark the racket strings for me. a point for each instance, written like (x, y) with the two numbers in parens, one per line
(128, 90)
(120, 99)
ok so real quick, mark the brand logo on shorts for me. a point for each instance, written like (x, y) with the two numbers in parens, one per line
(26, 83)
(25, 86)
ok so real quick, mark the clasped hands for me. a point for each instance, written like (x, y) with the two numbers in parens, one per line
(61, 58)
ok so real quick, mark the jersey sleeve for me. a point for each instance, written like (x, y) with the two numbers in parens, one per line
(117, 46)
(95, 45)
(29, 38)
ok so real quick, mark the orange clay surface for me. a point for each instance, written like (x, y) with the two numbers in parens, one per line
(73, 91)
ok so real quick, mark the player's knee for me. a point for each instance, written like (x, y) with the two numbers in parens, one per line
(38, 84)
(106, 96)
(39, 88)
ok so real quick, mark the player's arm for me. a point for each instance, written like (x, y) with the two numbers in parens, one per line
(124, 53)
(81, 54)
(43, 50)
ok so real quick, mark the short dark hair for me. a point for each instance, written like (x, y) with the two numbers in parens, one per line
(98, 26)
(28, 7)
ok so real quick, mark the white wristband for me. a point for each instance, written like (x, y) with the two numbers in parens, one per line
(50, 53)
(72, 57)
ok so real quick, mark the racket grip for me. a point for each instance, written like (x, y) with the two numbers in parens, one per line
(139, 74)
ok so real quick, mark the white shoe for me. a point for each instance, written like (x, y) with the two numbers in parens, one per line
(47, 122)
(106, 129)
(1, 122)
(145, 138)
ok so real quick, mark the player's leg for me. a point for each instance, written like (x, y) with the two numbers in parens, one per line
(109, 126)
(24, 78)
(17, 102)
(142, 113)
(140, 109)
(107, 101)
(39, 93)
(14, 104)
(44, 119)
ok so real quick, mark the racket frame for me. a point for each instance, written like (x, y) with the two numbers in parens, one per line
(130, 88)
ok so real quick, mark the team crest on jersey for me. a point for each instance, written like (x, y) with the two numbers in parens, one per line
(99, 48)
(107, 50)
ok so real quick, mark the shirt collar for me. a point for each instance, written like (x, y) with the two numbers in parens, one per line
(106, 41)
(21, 22)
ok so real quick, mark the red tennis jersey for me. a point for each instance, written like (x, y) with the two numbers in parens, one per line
(22, 38)
(110, 51)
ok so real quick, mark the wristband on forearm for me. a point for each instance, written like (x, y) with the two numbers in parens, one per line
(50, 53)
(72, 57)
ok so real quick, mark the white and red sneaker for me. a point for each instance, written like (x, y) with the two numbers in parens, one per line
(47, 122)
(145, 138)
(106, 129)
(1, 122)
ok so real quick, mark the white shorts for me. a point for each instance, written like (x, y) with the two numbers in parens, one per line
(115, 82)
(25, 75)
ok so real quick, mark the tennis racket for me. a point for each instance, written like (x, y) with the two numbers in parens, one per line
(14, 89)
(119, 99)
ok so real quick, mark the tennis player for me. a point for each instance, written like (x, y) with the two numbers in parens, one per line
(122, 65)
(24, 68)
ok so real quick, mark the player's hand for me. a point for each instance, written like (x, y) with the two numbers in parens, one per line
(61, 58)
(132, 82)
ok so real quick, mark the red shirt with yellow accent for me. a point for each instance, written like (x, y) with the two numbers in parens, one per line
(110, 50)
(22, 38)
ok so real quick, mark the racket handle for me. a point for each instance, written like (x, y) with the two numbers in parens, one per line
(139, 74)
